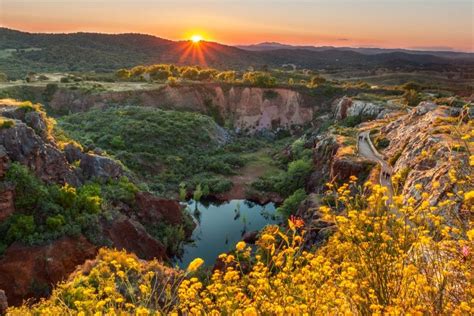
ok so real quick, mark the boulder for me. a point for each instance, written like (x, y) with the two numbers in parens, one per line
(125, 233)
(346, 107)
(424, 107)
(22, 144)
(31, 271)
(94, 166)
(153, 209)
(73, 153)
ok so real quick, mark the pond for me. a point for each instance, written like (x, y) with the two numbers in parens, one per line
(221, 226)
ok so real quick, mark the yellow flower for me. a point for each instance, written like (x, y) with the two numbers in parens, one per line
(240, 246)
(195, 264)
(469, 196)
(470, 235)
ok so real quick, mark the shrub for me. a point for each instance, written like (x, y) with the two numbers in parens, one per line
(412, 98)
(259, 79)
(291, 203)
(22, 227)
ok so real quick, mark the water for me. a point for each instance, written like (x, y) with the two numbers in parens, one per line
(221, 226)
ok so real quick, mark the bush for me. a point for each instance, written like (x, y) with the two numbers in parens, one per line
(412, 98)
(22, 227)
(291, 203)
(259, 79)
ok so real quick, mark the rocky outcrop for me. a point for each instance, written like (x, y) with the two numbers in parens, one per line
(250, 109)
(125, 233)
(151, 209)
(95, 166)
(3, 303)
(334, 161)
(421, 148)
(31, 271)
(24, 145)
(347, 107)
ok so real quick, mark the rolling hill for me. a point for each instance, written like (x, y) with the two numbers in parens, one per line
(22, 52)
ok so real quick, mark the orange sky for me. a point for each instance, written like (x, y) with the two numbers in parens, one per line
(421, 24)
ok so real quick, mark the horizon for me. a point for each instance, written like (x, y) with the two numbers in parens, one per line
(294, 45)
(336, 23)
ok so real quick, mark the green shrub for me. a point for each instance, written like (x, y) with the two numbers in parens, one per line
(291, 204)
(55, 222)
(22, 227)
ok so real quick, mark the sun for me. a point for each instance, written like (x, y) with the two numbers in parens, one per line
(196, 38)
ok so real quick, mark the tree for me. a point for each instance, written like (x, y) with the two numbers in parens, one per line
(3, 77)
(412, 98)
(316, 80)
(122, 74)
(190, 73)
(260, 79)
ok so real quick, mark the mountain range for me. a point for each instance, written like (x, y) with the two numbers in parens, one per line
(22, 52)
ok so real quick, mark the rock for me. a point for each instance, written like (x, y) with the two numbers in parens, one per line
(153, 209)
(7, 205)
(346, 107)
(24, 145)
(94, 166)
(3, 303)
(73, 153)
(250, 237)
(331, 162)
(30, 271)
(252, 109)
(412, 135)
(130, 235)
(34, 119)
(4, 160)
(424, 107)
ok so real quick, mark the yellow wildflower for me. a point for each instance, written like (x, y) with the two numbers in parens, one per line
(195, 264)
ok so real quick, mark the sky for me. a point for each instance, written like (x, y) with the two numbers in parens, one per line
(413, 24)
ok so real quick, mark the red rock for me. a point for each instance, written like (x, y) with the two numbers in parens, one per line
(3, 302)
(7, 205)
(152, 208)
(127, 234)
(27, 271)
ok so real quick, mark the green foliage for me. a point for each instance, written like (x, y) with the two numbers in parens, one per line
(412, 98)
(164, 148)
(259, 79)
(291, 204)
(45, 212)
(21, 228)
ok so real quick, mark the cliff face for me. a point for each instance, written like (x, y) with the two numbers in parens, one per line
(248, 108)
(30, 270)
(426, 148)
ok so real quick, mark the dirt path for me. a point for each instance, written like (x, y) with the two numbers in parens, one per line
(367, 150)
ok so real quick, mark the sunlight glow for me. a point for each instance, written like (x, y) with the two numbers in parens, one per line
(196, 38)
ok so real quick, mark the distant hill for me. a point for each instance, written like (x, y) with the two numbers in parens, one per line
(265, 46)
(22, 52)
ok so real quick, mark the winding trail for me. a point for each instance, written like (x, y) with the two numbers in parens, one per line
(367, 150)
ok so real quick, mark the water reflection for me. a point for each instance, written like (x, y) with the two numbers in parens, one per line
(221, 226)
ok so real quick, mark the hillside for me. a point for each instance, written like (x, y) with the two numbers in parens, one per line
(22, 52)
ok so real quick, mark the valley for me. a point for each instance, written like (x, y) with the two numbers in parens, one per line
(185, 180)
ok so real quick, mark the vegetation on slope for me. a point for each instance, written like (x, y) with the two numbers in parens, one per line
(164, 148)
(47, 212)
(376, 262)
